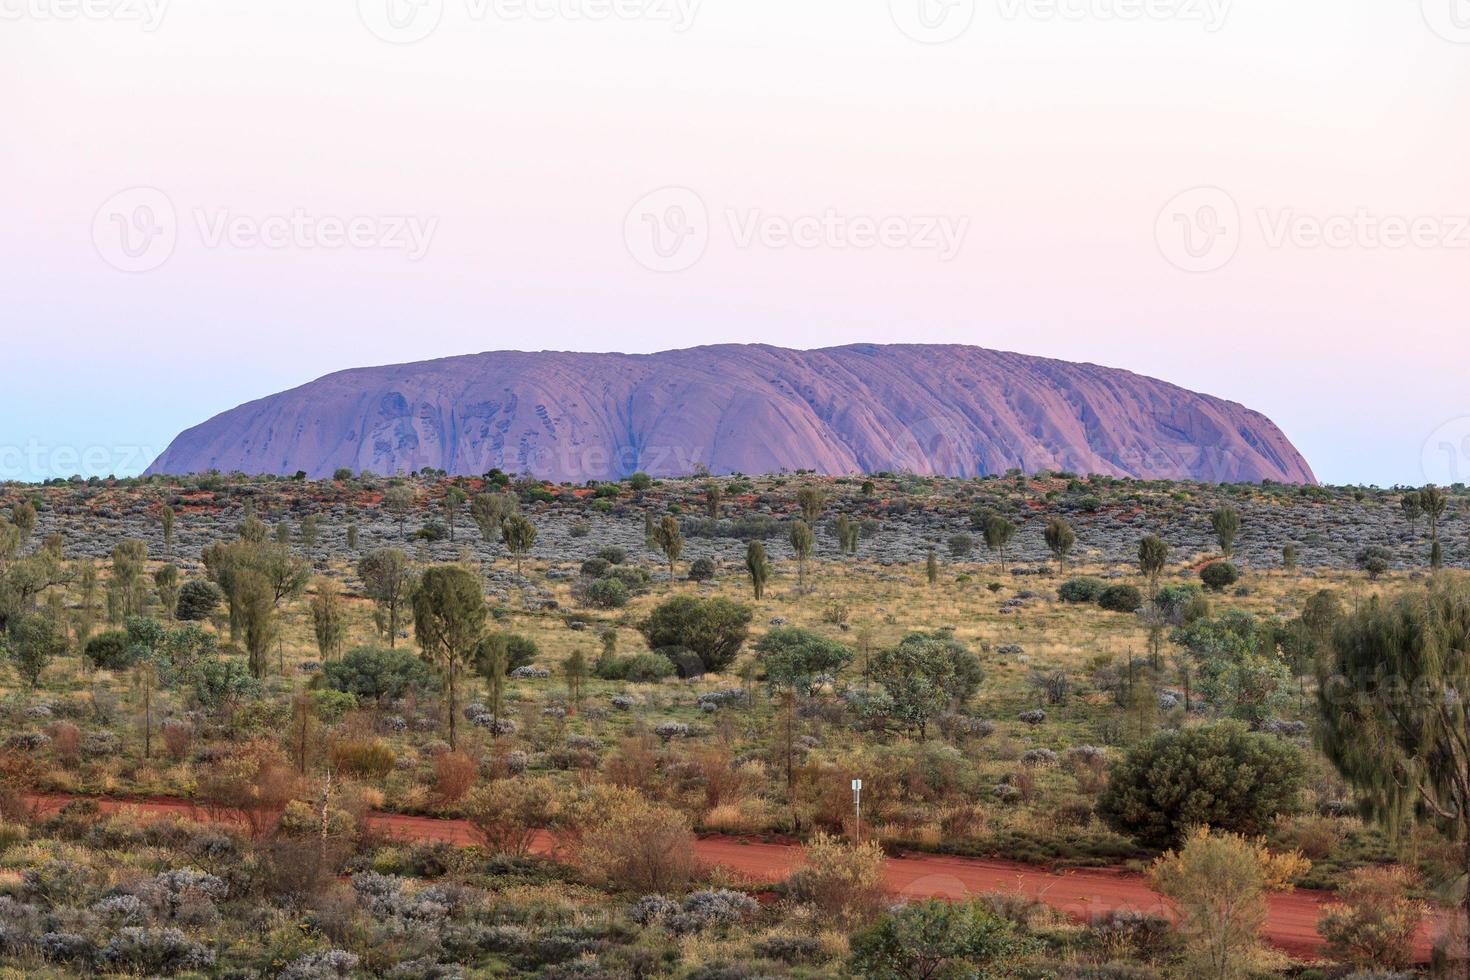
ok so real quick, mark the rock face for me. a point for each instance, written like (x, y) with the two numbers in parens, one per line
(950, 410)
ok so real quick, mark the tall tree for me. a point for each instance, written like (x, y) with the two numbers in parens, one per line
(670, 540)
(1225, 521)
(931, 568)
(759, 568)
(801, 545)
(492, 660)
(519, 536)
(487, 510)
(1394, 716)
(1060, 539)
(454, 499)
(998, 533)
(1153, 555)
(1432, 501)
(399, 501)
(810, 499)
(33, 642)
(449, 618)
(166, 581)
(388, 581)
(329, 618)
(255, 600)
(712, 500)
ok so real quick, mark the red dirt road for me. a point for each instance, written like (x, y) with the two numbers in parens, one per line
(1291, 923)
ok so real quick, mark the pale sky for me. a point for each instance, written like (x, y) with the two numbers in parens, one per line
(209, 201)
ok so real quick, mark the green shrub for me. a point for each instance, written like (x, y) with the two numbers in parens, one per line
(714, 629)
(641, 668)
(112, 650)
(939, 939)
(378, 673)
(1120, 598)
(1219, 576)
(702, 570)
(1083, 588)
(606, 593)
(1221, 776)
(197, 599)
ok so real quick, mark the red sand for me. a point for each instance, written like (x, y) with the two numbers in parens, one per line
(1291, 922)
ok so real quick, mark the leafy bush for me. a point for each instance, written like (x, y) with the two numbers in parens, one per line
(702, 570)
(1081, 589)
(112, 650)
(1220, 776)
(641, 668)
(378, 673)
(714, 629)
(1219, 576)
(1121, 598)
(606, 593)
(937, 938)
(197, 600)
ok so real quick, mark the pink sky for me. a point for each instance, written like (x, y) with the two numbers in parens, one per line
(523, 143)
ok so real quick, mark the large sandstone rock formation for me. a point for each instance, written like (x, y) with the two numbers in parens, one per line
(951, 410)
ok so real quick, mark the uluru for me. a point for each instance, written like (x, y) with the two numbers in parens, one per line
(948, 410)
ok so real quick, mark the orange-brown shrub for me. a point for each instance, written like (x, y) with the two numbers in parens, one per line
(629, 843)
(454, 775)
(506, 815)
(66, 740)
(1375, 924)
(250, 787)
(178, 736)
(368, 757)
(844, 882)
